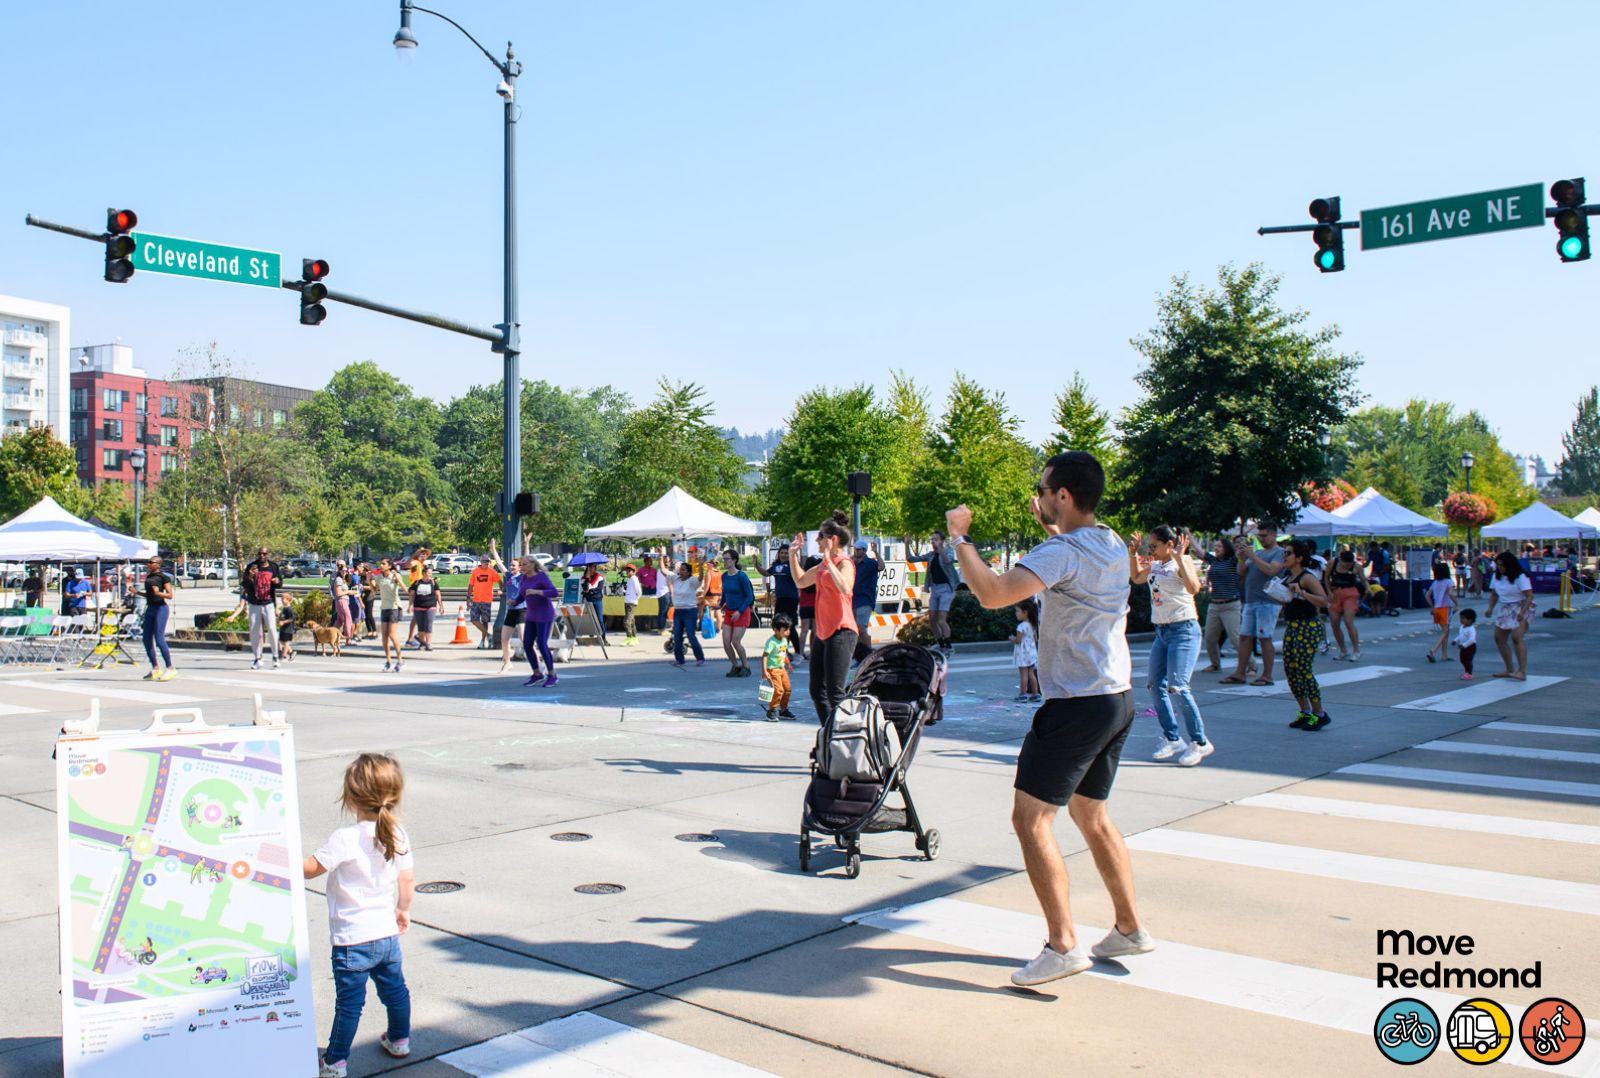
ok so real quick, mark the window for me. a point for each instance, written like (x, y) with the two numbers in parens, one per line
(199, 406)
(139, 403)
(111, 430)
(169, 407)
(233, 413)
(279, 417)
(82, 454)
(169, 463)
(111, 399)
(111, 459)
(196, 436)
(80, 399)
(80, 429)
(169, 435)
(259, 418)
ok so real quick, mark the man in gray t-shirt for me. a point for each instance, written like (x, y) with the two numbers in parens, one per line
(1069, 757)
(1259, 616)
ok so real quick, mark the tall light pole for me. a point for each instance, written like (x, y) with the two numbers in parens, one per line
(137, 458)
(1467, 460)
(1325, 440)
(510, 345)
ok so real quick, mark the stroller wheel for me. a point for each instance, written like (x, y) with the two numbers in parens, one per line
(852, 867)
(838, 842)
(929, 844)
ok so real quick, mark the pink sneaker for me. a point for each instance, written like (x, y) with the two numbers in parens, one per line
(398, 1048)
(1466, 677)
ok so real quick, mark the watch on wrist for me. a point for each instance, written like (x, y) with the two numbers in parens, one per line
(962, 540)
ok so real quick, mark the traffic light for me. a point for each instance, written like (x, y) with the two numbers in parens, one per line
(313, 291)
(119, 244)
(1571, 224)
(1328, 235)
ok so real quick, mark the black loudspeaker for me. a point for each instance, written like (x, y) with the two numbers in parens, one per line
(860, 484)
(526, 504)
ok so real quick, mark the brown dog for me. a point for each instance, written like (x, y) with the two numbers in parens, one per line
(324, 637)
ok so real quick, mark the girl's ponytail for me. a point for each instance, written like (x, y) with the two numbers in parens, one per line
(387, 832)
(373, 784)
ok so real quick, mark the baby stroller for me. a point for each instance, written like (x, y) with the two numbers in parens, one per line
(864, 750)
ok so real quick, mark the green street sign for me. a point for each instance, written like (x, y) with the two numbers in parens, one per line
(212, 261)
(1447, 218)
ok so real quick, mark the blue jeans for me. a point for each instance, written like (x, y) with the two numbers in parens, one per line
(1172, 658)
(600, 616)
(155, 634)
(686, 623)
(352, 965)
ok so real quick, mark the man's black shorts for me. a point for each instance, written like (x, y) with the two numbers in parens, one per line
(787, 606)
(1074, 747)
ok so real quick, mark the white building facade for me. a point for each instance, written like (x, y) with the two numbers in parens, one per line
(34, 365)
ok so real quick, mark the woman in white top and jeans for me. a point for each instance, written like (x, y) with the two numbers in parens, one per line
(1173, 583)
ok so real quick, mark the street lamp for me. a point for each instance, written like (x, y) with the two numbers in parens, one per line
(136, 458)
(1325, 440)
(1467, 460)
(509, 344)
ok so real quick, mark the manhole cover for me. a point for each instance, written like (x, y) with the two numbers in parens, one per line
(702, 712)
(599, 888)
(571, 836)
(440, 887)
(697, 836)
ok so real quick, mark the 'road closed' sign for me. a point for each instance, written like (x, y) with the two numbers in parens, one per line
(892, 582)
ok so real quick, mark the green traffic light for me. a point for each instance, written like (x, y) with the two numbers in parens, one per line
(1326, 259)
(1572, 247)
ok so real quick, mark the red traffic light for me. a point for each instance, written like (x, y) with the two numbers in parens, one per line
(313, 269)
(1567, 192)
(1324, 210)
(120, 221)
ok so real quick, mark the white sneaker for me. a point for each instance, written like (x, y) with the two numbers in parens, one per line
(334, 1070)
(275, 664)
(1168, 750)
(1051, 965)
(1195, 753)
(255, 664)
(399, 1048)
(1115, 945)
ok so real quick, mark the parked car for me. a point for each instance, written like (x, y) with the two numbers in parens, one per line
(546, 561)
(460, 562)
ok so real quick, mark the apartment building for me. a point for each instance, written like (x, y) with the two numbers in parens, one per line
(117, 407)
(33, 361)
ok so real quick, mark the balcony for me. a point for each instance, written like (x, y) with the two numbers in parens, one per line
(13, 369)
(25, 338)
(22, 401)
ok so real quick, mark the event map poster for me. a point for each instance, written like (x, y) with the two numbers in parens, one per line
(183, 929)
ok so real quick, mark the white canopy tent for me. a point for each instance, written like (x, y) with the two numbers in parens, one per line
(1590, 516)
(1370, 513)
(1539, 521)
(1314, 520)
(48, 532)
(677, 514)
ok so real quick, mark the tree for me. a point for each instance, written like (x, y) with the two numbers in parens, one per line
(34, 464)
(829, 434)
(1235, 396)
(975, 455)
(1580, 457)
(1081, 424)
(670, 442)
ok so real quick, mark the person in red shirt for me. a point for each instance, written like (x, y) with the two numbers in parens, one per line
(481, 583)
(834, 640)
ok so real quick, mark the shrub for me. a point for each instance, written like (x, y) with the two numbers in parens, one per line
(314, 606)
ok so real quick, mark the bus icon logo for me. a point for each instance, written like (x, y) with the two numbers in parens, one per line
(1479, 1031)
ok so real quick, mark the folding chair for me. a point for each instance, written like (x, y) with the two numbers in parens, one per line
(13, 639)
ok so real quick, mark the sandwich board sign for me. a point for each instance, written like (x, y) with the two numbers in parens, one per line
(182, 903)
(892, 582)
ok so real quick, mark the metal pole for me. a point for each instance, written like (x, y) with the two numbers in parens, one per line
(510, 343)
(138, 490)
(855, 515)
(1468, 471)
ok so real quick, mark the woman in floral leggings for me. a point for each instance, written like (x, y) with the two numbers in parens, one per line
(1302, 636)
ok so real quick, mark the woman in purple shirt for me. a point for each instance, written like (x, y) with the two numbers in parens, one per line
(533, 592)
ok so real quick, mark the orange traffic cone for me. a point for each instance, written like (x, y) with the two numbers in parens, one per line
(461, 625)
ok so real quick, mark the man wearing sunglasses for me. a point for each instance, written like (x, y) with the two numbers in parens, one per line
(261, 581)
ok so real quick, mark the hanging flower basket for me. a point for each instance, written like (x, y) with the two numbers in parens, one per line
(1470, 510)
(1330, 496)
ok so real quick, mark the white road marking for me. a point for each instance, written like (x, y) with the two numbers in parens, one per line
(141, 696)
(584, 1045)
(1533, 728)
(1333, 677)
(18, 709)
(1477, 823)
(1473, 778)
(1474, 883)
(1480, 694)
(1279, 989)
(1516, 752)
(265, 685)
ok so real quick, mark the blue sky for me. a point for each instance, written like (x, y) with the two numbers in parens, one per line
(766, 196)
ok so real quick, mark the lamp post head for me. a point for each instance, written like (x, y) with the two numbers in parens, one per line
(1467, 461)
(405, 42)
(136, 458)
(1325, 439)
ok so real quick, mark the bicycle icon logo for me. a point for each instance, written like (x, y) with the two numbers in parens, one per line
(1407, 1031)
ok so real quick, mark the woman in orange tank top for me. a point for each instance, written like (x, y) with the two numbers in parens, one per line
(834, 641)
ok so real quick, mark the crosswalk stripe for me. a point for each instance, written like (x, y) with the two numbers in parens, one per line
(17, 709)
(1278, 989)
(1474, 883)
(1534, 728)
(1473, 778)
(1480, 694)
(1516, 752)
(1475, 822)
(1332, 678)
(584, 1045)
(280, 686)
(141, 696)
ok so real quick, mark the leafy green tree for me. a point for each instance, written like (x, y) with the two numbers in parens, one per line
(34, 464)
(1236, 394)
(670, 442)
(1580, 457)
(976, 456)
(829, 434)
(1081, 424)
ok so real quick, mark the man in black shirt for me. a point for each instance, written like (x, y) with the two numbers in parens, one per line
(424, 601)
(785, 596)
(940, 581)
(33, 588)
(157, 595)
(261, 581)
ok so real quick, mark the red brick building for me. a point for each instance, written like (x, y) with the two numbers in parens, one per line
(116, 407)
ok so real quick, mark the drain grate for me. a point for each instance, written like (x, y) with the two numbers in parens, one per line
(440, 887)
(697, 836)
(571, 836)
(599, 888)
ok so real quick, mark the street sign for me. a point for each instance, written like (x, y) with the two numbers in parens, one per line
(211, 261)
(892, 583)
(1447, 218)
